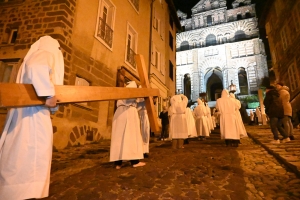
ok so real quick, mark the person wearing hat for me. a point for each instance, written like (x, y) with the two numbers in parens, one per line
(274, 110)
(126, 139)
(26, 142)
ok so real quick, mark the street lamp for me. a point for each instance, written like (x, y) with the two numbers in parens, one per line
(232, 88)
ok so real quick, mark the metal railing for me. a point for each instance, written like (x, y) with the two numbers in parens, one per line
(105, 32)
(130, 57)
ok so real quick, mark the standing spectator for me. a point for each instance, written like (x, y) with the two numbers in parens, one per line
(287, 109)
(178, 125)
(25, 158)
(164, 123)
(274, 110)
(228, 123)
(126, 138)
(201, 121)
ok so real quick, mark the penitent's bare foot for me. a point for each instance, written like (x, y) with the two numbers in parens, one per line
(140, 164)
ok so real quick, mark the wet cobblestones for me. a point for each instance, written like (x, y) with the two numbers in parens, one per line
(202, 170)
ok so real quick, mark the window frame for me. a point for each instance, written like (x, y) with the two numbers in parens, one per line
(293, 76)
(111, 15)
(133, 45)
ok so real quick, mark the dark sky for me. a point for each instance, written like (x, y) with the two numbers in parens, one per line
(186, 5)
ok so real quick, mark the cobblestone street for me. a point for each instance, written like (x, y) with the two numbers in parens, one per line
(202, 170)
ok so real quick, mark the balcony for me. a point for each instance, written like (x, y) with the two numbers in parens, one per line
(105, 32)
(130, 57)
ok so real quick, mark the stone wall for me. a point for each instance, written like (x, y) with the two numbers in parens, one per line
(73, 124)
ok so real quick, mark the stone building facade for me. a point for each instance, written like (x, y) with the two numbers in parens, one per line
(99, 40)
(219, 46)
(283, 33)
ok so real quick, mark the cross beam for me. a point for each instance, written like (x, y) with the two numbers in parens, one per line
(20, 95)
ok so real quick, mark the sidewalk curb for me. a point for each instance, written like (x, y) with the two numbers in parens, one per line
(283, 161)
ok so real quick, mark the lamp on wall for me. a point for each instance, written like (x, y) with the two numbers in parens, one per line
(232, 87)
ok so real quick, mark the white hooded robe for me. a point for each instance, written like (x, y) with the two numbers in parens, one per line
(178, 124)
(240, 124)
(25, 157)
(126, 138)
(191, 123)
(228, 122)
(201, 119)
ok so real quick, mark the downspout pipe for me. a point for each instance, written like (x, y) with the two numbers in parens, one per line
(150, 39)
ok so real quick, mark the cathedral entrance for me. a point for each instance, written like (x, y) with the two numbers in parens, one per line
(214, 85)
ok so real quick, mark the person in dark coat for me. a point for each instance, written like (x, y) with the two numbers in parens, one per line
(274, 110)
(164, 123)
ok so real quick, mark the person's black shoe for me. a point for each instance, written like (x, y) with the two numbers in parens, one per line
(292, 137)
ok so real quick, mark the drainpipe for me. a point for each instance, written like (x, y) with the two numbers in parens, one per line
(150, 39)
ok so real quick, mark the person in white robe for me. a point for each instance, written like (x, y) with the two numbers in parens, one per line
(26, 141)
(145, 125)
(201, 121)
(178, 122)
(190, 123)
(217, 117)
(251, 118)
(258, 115)
(126, 139)
(211, 125)
(213, 118)
(228, 122)
(240, 124)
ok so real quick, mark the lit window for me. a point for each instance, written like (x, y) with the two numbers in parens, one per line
(105, 22)
(131, 46)
(156, 22)
(8, 71)
(156, 57)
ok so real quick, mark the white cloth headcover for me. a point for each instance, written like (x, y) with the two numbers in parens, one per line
(199, 101)
(224, 93)
(131, 84)
(47, 43)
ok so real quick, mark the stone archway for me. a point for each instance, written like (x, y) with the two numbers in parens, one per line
(214, 85)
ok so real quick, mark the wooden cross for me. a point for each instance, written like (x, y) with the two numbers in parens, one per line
(21, 95)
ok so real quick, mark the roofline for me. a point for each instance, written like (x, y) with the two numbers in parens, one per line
(174, 13)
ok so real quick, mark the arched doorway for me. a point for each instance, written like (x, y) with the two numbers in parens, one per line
(187, 86)
(214, 85)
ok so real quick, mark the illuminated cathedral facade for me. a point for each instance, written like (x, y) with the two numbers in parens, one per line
(217, 47)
